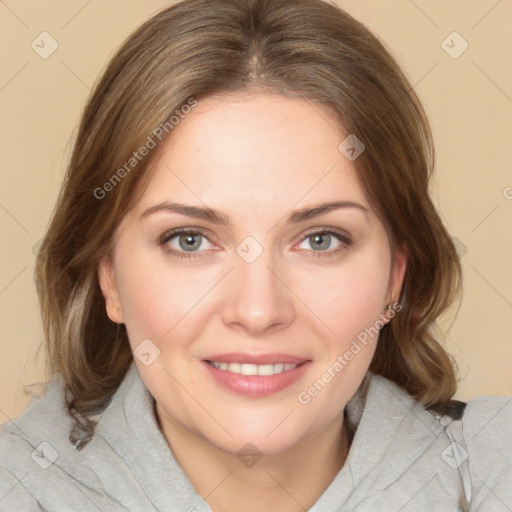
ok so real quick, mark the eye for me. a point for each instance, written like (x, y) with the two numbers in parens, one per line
(321, 241)
(190, 243)
(184, 243)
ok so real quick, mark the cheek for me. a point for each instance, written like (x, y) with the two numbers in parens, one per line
(349, 300)
(348, 297)
(155, 297)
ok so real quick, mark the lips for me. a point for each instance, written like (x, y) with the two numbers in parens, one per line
(255, 375)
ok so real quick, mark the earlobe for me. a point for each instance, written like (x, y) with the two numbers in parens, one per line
(109, 290)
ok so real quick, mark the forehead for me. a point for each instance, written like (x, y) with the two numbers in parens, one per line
(254, 152)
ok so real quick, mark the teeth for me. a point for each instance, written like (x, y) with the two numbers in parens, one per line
(254, 369)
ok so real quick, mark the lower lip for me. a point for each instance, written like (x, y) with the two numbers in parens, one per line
(256, 385)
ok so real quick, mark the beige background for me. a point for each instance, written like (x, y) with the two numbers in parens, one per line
(468, 100)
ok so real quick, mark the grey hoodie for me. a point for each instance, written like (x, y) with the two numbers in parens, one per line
(402, 457)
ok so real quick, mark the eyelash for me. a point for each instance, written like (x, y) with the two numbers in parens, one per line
(169, 235)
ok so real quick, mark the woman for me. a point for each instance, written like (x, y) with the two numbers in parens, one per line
(240, 284)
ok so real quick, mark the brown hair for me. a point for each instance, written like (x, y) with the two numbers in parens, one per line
(198, 48)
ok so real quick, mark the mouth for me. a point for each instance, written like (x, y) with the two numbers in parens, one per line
(255, 376)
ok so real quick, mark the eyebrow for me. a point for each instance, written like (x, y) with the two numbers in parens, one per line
(218, 217)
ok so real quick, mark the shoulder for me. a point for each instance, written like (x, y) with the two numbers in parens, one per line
(487, 428)
(44, 419)
(41, 469)
(487, 425)
(29, 443)
(485, 416)
(431, 455)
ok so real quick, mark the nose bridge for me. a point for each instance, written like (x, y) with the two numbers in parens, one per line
(257, 299)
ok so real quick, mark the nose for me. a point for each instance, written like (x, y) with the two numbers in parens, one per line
(257, 298)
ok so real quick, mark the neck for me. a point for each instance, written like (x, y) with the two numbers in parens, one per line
(290, 481)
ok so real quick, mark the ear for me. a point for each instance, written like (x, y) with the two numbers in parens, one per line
(396, 278)
(109, 290)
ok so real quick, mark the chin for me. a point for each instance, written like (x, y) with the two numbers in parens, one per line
(250, 442)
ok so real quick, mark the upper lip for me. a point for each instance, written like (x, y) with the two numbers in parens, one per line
(238, 357)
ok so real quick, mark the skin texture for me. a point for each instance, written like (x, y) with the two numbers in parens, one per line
(256, 158)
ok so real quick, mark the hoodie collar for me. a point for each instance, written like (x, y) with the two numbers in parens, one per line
(391, 432)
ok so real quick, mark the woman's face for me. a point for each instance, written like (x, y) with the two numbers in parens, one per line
(281, 294)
